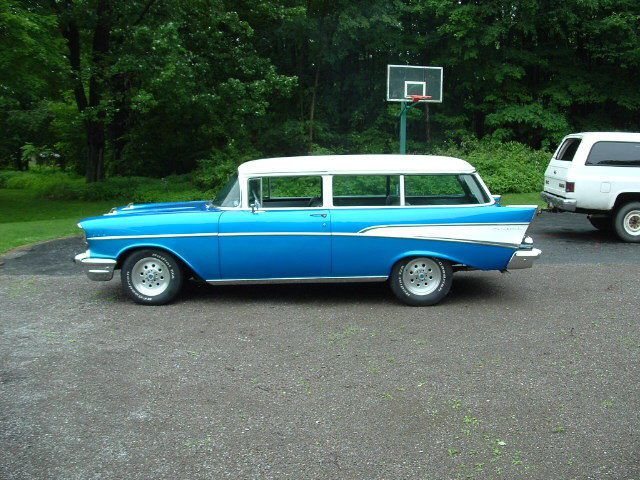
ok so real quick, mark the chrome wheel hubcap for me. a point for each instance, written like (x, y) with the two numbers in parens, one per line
(150, 276)
(421, 276)
(632, 222)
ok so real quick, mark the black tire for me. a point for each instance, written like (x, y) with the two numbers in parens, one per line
(151, 265)
(407, 294)
(604, 223)
(627, 222)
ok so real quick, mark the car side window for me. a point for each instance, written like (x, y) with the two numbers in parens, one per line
(285, 192)
(443, 190)
(614, 154)
(366, 190)
(568, 149)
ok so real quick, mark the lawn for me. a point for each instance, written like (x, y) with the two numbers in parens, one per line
(531, 198)
(25, 219)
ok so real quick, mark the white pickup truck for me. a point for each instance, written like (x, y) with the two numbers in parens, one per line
(598, 173)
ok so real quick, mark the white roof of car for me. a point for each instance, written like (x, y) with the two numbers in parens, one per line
(622, 136)
(386, 164)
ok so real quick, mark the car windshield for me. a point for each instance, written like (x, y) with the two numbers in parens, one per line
(229, 195)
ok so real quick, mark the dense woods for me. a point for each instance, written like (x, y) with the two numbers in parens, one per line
(157, 87)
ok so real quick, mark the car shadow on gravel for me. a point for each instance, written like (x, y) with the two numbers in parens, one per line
(585, 236)
(466, 288)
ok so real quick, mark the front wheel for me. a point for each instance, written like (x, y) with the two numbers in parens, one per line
(422, 280)
(151, 277)
(627, 222)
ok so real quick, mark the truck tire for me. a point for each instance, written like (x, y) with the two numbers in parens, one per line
(627, 222)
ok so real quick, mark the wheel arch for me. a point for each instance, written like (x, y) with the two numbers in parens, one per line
(125, 252)
(624, 198)
(422, 253)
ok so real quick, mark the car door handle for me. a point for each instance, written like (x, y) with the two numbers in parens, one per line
(323, 215)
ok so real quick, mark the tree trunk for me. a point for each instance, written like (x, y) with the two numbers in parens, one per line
(312, 109)
(95, 151)
(95, 127)
(427, 122)
(94, 123)
(119, 126)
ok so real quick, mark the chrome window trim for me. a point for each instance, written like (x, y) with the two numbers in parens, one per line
(247, 179)
(327, 190)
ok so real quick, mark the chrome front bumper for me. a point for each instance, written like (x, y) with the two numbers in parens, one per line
(100, 269)
(524, 258)
(559, 202)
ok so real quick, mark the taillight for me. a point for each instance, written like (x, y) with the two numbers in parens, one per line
(570, 187)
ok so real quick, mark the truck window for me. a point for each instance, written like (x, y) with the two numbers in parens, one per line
(615, 154)
(568, 149)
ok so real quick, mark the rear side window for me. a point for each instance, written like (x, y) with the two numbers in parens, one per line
(443, 190)
(615, 154)
(568, 149)
(366, 190)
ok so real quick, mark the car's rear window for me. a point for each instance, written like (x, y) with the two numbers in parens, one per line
(443, 190)
(568, 149)
(615, 154)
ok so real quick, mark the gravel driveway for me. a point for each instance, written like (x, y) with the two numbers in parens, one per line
(532, 374)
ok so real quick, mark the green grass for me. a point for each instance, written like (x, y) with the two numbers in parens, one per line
(532, 198)
(25, 219)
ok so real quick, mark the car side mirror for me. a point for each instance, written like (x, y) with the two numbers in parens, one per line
(497, 198)
(254, 207)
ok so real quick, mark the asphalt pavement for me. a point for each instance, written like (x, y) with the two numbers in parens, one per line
(531, 374)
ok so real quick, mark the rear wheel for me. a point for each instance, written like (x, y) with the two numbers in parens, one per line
(601, 222)
(422, 280)
(627, 222)
(151, 277)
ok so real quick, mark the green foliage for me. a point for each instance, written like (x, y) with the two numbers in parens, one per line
(56, 185)
(201, 85)
(509, 167)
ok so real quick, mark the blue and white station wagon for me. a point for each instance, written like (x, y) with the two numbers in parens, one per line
(411, 220)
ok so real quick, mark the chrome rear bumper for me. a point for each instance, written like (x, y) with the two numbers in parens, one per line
(559, 202)
(100, 269)
(524, 258)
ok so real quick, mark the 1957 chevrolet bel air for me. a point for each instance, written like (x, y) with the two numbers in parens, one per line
(410, 219)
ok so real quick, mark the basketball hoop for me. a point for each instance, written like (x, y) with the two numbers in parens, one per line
(412, 85)
(419, 98)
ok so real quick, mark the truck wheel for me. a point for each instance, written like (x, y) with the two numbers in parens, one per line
(151, 277)
(627, 222)
(603, 223)
(421, 281)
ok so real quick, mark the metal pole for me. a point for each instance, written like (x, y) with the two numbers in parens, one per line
(403, 129)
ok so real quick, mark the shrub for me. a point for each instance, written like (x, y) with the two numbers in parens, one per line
(509, 167)
(62, 186)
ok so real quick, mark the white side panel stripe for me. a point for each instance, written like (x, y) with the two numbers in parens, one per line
(491, 234)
